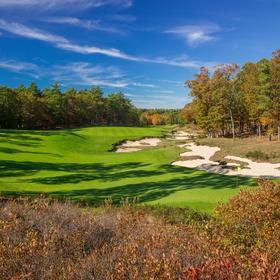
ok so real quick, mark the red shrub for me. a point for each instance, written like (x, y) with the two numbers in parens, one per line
(43, 239)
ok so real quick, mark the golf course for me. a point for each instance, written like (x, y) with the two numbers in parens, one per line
(79, 164)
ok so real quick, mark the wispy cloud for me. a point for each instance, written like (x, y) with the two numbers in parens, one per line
(85, 74)
(77, 74)
(20, 67)
(159, 101)
(32, 33)
(63, 4)
(181, 61)
(163, 91)
(196, 34)
(177, 83)
(65, 44)
(87, 24)
(123, 18)
(145, 85)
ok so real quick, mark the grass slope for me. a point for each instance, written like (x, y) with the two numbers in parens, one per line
(76, 164)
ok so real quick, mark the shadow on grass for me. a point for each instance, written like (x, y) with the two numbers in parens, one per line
(144, 191)
(17, 151)
(29, 134)
(94, 170)
(32, 138)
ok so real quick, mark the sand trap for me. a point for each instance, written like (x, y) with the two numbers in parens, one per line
(127, 150)
(152, 142)
(203, 151)
(138, 145)
(182, 135)
(254, 169)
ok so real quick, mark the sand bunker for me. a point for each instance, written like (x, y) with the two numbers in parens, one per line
(138, 145)
(127, 150)
(182, 135)
(152, 142)
(254, 169)
(204, 163)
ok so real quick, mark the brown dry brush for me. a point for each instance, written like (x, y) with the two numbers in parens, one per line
(45, 239)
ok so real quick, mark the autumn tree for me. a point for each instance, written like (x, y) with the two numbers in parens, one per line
(244, 100)
(274, 104)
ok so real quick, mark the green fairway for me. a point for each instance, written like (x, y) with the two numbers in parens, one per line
(77, 164)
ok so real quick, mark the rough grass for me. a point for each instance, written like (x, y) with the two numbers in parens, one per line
(243, 147)
(77, 164)
(43, 239)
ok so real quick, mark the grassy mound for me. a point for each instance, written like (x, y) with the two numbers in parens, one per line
(44, 239)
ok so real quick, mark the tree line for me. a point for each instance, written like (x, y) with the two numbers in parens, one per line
(32, 108)
(233, 101)
(51, 108)
(160, 116)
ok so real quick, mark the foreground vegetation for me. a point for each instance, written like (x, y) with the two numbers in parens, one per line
(44, 239)
(77, 164)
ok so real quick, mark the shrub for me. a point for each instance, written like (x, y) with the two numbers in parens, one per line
(258, 155)
(45, 239)
(177, 215)
(251, 219)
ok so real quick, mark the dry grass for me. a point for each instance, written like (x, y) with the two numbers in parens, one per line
(44, 239)
(241, 147)
(190, 157)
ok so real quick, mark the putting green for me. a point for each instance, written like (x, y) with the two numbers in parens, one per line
(77, 164)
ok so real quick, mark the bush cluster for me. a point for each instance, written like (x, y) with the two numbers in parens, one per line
(45, 239)
(258, 155)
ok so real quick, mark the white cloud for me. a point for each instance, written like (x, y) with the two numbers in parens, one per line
(87, 24)
(20, 67)
(65, 44)
(196, 34)
(164, 91)
(143, 85)
(84, 74)
(159, 102)
(123, 18)
(32, 33)
(181, 61)
(63, 4)
(177, 83)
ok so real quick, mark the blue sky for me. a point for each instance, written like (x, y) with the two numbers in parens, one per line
(143, 48)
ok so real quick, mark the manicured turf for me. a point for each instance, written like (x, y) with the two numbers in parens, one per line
(77, 164)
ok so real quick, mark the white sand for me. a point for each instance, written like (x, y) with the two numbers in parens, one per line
(182, 135)
(127, 150)
(254, 169)
(135, 146)
(203, 151)
(152, 142)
